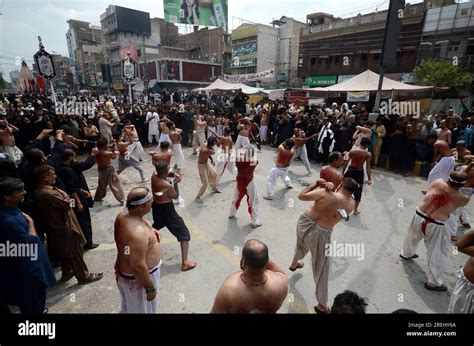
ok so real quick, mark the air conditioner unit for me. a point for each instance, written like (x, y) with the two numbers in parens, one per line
(213, 59)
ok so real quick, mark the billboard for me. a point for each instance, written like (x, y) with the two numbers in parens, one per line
(132, 48)
(197, 12)
(130, 20)
(169, 70)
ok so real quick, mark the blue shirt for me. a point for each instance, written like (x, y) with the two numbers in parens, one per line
(15, 269)
(466, 136)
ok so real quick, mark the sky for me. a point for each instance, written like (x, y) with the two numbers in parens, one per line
(22, 21)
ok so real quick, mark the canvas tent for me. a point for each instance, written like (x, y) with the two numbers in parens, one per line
(219, 84)
(369, 81)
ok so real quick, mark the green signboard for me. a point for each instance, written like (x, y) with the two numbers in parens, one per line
(320, 81)
(197, 12)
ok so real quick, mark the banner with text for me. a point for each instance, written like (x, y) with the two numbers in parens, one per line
(358, 96)
(202, 12)
(252, 77)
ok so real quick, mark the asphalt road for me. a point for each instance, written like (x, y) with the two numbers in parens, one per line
(377, 273)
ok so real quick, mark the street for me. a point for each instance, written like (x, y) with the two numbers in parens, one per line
(376, 273)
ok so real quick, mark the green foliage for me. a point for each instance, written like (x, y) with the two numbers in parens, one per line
(440, 73)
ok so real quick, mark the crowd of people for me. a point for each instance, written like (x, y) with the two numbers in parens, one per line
(45, 197)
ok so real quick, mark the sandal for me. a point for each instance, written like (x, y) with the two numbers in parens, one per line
(92, 278)
(357, 212)
(319, 311)
(299, 266)
(441, 288)
(408, 258)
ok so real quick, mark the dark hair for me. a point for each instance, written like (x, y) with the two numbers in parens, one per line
(461, 144)
(164, 145)
(348, 302)
(89, 122)
(350, 185)
(170, 124)
(364, 142)
(334, 156)
(184, 7)
(211, 141)
(41, 171)
(8, 168)
(34, 157)
(135, 198)
(161, 167)
(227, 131)
(289, 143)
(8, 185)
(102, 143)
(67, 154)
(255, 254)
(404, 311)
(457, 179)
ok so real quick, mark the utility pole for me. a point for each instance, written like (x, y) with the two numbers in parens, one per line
(145, 65)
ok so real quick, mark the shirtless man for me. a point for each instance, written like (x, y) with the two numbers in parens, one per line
(243, 139)
(165, 154)
(460, 152)
(137, 269)
(226, 144)
(246, 186)
(164, 212)
(175, 136)
(199, 135)
(164, 131)
(206, 171)
(135, 148)
(462, 299)
(428, 223)
(443, 160)
(261, 287)
(362, 132)
(300, 139)
(125, 159)
(359, 156)
(330, 172)
(314, 229)
(444, 134)
(285, 154)
(107, 174)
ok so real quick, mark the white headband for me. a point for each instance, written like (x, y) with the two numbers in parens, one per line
(142, 200)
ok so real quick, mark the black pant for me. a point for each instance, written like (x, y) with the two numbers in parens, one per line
(84, 218)
(409, 154)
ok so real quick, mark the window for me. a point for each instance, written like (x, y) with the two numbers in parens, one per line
(313, 61)
(363, 57)
(464, 12)
(470, 49)
(336, 59)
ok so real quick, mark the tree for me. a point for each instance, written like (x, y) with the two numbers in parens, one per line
(440, 73)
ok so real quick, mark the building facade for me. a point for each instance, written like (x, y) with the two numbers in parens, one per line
(255, 48)
(448, 34)
(333, 49)
(288, 51)
(80, 34)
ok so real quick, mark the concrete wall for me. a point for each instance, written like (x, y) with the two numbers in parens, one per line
(267, 47)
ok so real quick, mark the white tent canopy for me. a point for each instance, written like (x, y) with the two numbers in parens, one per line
(369, 81)
(219, 84)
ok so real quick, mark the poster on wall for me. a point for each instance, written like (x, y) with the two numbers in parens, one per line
(197, 12)
(168, 70)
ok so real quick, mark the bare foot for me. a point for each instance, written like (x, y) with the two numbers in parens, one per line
(188, 265)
